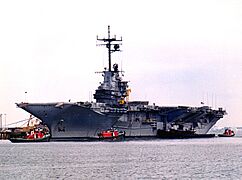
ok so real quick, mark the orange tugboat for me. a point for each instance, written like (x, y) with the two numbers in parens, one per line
(111, 134)
(227, 133)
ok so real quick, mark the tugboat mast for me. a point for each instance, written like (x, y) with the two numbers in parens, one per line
(112, 47)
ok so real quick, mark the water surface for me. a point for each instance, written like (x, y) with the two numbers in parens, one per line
(213, 158)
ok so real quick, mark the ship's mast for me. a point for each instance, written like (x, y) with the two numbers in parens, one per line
(112, 47)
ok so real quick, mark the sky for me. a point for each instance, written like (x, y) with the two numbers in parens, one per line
(173, 52)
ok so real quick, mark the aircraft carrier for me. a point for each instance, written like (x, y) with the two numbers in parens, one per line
(112, 109)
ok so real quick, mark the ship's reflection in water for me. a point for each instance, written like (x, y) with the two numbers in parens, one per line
(214, 158)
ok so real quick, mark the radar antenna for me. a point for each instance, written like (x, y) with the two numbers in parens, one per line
(112, 47)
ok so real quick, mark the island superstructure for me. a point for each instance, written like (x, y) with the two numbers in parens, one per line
(112, 109)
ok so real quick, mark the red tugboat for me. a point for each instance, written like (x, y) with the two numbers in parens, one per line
(227, 133)
(112, 134)
(33, 132)
(39, 134)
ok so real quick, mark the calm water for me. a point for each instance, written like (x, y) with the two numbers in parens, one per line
(215, 158)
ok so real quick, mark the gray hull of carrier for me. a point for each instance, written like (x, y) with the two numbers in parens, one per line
(86, 120)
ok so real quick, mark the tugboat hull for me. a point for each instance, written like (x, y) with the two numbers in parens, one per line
(24, 140)
(224, 135)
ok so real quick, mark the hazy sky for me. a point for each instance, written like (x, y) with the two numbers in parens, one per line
(174, 52)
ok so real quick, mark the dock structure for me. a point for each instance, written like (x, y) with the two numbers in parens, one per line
(4, 134)
(1, 124)
(4, 131)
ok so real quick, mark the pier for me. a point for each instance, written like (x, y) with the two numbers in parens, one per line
(4, 134)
